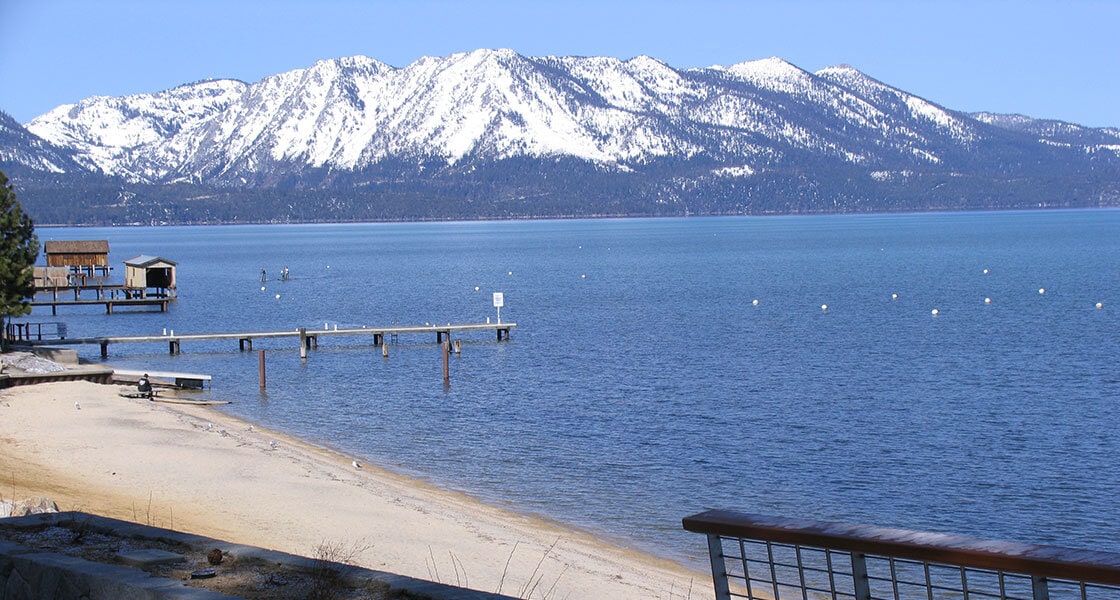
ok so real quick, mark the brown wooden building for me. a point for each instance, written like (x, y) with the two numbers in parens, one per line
(87, 256)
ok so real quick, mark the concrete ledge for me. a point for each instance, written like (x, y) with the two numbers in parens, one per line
(62, 356)
(103, 375)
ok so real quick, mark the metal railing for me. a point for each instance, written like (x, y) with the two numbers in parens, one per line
(35, 332)
(776, 558)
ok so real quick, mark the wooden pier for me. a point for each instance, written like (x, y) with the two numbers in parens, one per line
(109, 296)
(308, 338)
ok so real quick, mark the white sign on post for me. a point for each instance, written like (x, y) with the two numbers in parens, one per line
(499, 301)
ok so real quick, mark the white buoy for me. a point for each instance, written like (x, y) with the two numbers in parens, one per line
(824, 307)
(935, 312)
(754, 302)
(476, 288)
(277, 296)
(1100, 305)
(894, 296)
(987, 300)
(985, 271)
(511, 273)
(262, 288)
(1041, 290)
(583, 276)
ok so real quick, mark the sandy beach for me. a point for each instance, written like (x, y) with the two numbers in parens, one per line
(193, 469)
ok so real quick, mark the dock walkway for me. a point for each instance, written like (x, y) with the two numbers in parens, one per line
(109, 296)
(308, 338)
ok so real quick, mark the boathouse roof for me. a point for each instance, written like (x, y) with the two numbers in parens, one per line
(76, 247)
(146, 261)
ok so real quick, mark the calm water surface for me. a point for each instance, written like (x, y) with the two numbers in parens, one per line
(643, 384)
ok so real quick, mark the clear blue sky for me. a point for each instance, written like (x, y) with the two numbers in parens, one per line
(1046, 59)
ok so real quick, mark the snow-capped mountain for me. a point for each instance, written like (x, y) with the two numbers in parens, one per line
(638, 126)
(25, 151)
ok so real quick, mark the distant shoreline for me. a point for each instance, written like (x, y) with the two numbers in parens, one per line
(604, 217)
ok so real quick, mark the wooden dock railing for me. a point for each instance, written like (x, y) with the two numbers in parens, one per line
(755, 556)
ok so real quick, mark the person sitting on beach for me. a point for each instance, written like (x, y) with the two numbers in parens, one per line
(144, 386)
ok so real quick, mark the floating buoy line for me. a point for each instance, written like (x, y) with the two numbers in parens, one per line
(937, 311)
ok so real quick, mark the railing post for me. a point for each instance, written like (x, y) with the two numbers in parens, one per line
(1039, 588)
(719, 568)
(861, 586)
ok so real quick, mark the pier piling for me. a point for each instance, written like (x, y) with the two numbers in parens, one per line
(446, 366)
(260, 366)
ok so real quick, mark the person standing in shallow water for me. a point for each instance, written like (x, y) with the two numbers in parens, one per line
(144, 386)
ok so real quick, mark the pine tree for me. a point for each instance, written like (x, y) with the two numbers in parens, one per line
(18, 250)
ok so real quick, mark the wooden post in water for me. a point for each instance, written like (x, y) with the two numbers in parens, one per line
(384, 350)
(260, 368)
(303, 343)
(458, 346)
(446, 367)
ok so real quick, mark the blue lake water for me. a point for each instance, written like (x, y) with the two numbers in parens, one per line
(643, 384)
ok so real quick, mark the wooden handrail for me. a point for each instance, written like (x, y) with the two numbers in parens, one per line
(1015, 557)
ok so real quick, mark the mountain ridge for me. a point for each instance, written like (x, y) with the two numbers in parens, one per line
(479, 134)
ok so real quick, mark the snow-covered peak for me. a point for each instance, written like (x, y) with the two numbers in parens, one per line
(770, 72)
(103, 129)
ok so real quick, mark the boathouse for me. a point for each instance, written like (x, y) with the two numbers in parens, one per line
(88, 256)
(150, 273)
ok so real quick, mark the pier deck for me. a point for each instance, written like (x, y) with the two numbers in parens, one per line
(308, 337)
(109, 296)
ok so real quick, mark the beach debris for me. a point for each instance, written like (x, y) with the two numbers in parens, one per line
(273, 445)
(208, 427)
(250, 428)
(77, 406)
(29, 363)
(357, 465)
(214, 557)
(29, 506)
(203, 574)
